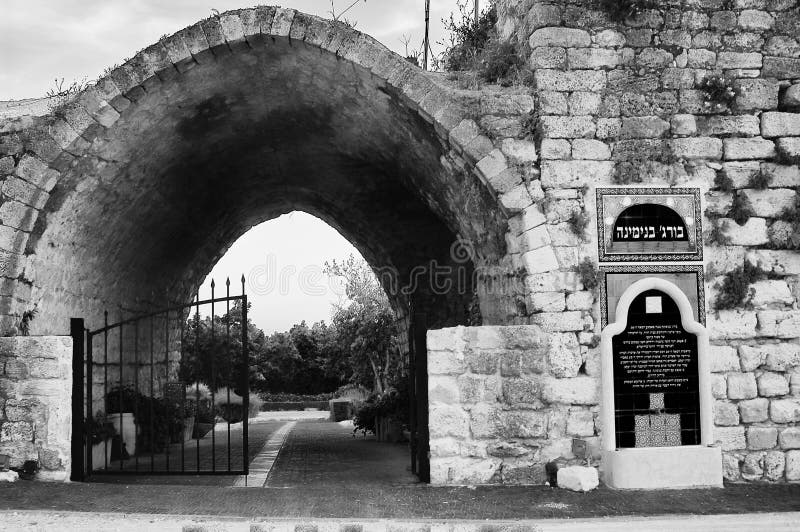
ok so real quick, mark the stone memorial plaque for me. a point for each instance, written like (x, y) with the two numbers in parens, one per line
(656, 389)
(649, 224)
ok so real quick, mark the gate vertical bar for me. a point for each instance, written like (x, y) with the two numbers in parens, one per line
(89, 401)
(79, 444)
(412, 394)
(136, 416)
(197, 381)
(183, 319)
(213, 383)
(105, 382)
(153, 396)
(121, 428)
(166, 377)
(228, 380)
(421, 369)
(246, 392)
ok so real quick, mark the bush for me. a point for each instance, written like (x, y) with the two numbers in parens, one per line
(467, 40)
(719, 92)
(736, 285)
(587, 272)
(157, 419)
(392, 404)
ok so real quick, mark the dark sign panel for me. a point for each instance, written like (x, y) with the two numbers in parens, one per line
(656, 396)
(649, 222)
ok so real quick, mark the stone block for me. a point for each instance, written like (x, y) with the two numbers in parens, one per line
(578, 478)
(608, 128)
(444, 362)
(590, 150)
(654, 58)
(540, 260)
(559, 36)
(719, 386)
(448, 420)
(754, 410)
(548, 57)
(566, 127)
(459, 470)
(482, 362)
(520, 151)
(774, 124)
(781, 356)
(772, 384)
(584, 103)
(578, 80)
(742, 386)
(784, 410)
(754, 94)
(479, 388)
(732, 324)
(16, 431)
(443, 389)
(610, 39)
(553, 103)
(697, 148)
(580, 423)
(728, 60)
(752, 233)
(765, 293)
(583, 300)
(770, 203)
(573, 174)
(730, 438)
(781, 68)
(577, 390)
(723, 358)
(564, 355)
(748, 148)
(592, 58)
(558, 321)
(645, 127)
(526, 390)
(759, 438)
(743, 125)
(791, 96)
(684, 125)
(789, 438)
(730, 467)
(793, 465)
(753, 466)
(774, 463)
(779, 324)
(547, 302)
(752, 19)
(725, 414)
(555, 149)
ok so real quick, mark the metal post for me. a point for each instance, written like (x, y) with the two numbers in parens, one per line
(421, 370)
(77, 331)
(477, 14)
(427, 27)
(246, 390)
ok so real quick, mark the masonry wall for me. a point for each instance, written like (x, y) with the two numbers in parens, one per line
(36, 403)
(504, 401)
(621, 103)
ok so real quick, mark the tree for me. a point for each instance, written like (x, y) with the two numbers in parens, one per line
(365, 325)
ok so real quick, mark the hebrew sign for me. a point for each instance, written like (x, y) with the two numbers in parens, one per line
(649, 224)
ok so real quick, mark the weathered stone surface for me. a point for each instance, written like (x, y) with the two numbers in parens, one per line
(723, 358)
(562, 174)
(779, 324)
(448, 420)
(725, 414)
(748, 148)
(789, 438)
(781, 68)
(730, 324)
(730, 438)
(784, 410)
(578, 478)
(576, 390)
(754, 410)
(761, 437)
(753, 466)
(752, 233)
(563, 37)
(742, 386)
(772, 384)
(556, 80)
(564, 355)
(752, 94)
(793, 465)
(697, 148)
(780, 125)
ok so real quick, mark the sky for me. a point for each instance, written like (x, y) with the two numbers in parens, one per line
(44, 40)
(75, 40)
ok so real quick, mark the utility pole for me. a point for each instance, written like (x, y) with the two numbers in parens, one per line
(427, 26)
(477, 13)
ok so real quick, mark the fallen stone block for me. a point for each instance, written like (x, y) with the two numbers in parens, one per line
(578, 478)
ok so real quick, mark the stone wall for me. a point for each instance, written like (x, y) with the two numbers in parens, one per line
(620, 102)
(36, 403)
(504, 401)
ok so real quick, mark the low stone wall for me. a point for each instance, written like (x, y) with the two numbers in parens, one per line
(504, 401)
(36, 403)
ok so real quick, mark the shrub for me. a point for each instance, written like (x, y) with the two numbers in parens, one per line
(719, 92)
(578, 221)
(392, 404)
(467, 40)
(723, 182)
(760, 180)
(736, 285)
(157, 419)
(499, 63)
(588, 274)
(741, 210)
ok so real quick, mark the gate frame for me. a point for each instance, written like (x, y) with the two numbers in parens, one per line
(82, 399)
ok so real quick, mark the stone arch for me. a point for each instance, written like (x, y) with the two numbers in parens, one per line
(142, 181)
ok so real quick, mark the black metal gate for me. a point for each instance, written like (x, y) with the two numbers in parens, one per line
(418, 395)
(166, 393)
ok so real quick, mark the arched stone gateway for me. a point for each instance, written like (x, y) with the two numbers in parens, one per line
(142, 182)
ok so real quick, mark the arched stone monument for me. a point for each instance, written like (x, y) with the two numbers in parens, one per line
(656, 396)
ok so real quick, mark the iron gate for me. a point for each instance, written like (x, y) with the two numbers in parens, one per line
(166, 393)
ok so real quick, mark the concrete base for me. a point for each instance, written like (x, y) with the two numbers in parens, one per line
(663, 467)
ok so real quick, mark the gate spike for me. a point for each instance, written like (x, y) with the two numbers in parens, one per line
(228, 281)
(213, 284)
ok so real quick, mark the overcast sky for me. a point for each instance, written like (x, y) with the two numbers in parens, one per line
(41, 40)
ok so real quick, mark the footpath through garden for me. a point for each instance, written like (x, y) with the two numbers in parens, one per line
(325, 480)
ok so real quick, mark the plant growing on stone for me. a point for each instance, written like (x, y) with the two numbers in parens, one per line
(466, 40)
(717, 235)
(736, 285)
(740, 210)
(61, 95)
(621, 10)
(723, 182)
(529, 125)
(785, 157)
(760, 180)
(784, 233)
(719, 93)
(588, 274)
(25, 322)
(578, 221)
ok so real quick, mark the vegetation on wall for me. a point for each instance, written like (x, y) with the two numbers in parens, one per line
(588, 274)
(718, 92)
(736, 285)
(621, 10)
